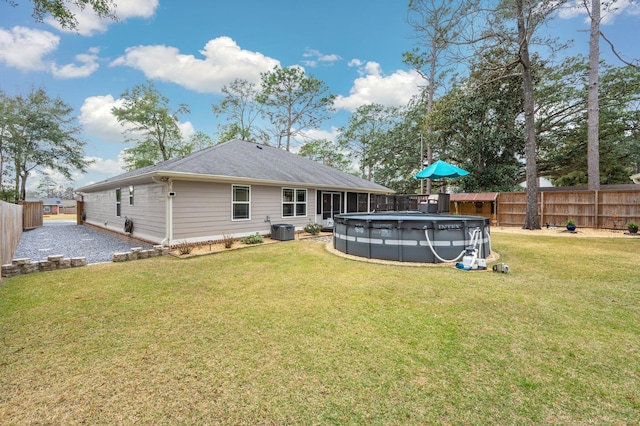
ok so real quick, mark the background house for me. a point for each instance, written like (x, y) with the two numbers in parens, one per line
(54, 206)
(49, 205)
(236, 188)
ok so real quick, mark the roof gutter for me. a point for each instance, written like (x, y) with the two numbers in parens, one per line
(155, 175)
(254, 181)
(168, 221)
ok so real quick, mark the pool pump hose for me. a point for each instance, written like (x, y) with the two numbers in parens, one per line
(475, 240)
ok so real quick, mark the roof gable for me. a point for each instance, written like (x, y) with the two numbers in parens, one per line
(45, 201)
(251, 161)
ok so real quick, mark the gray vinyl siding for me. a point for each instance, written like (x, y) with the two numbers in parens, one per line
(100, 209)
(202, 211)
(147, 211)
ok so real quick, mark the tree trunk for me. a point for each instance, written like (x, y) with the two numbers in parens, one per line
(431, 97)
(23, 186)
(531, 219)
(593, 117)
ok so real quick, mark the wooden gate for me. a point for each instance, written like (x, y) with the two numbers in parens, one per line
(79, 212)
(31, 214)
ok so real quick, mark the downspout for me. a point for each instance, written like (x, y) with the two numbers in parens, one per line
(168, 222)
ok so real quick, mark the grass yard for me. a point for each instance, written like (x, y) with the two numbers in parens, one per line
(66, 216)
(290, 334)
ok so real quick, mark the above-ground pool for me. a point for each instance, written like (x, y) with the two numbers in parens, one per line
(411, 236)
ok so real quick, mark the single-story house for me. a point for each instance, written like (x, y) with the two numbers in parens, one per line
(236, 188)
(49, 205)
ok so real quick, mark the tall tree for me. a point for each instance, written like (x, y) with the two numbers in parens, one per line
(530, 152)
(395, 150)
(47, 187)
(4, 140)
(436, 25)
(328, 153)
(200, 140)
(294, 102)
(593, 118)
(151, 125)
(241, 110)
(477, 126)
(513, 24)
(42, 133)
(62, 10)
(563, 151)
(364, 134)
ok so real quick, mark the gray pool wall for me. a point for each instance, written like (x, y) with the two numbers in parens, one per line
(400, 236)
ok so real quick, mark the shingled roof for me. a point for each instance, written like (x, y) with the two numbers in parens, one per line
(241, 161)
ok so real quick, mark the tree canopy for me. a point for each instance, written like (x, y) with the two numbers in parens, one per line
(151, 125)
(62, 11)
(37, 132)
(293, 102)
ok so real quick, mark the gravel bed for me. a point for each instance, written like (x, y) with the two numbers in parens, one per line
(70, 240)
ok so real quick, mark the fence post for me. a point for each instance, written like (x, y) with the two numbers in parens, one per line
(596, 213)
(541, 208)
(79, 211)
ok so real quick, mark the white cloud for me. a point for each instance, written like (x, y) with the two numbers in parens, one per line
(355, 63)
(186, 129)
(107, 165)
(608, 13)
(313, 58)
(223, 62)
(25, 48)
(374, 87)
(97, 119)
(88, 65)
(89, 23)
(316, 134)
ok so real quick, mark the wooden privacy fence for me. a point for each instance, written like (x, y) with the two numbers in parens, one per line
(32, 214)
(10, 230)
(605, 209)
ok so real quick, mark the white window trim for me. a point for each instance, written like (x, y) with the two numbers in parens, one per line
(119, 202)
(295, 202)
(233, 186)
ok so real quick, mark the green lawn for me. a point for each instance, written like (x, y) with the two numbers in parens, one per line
(290, 334)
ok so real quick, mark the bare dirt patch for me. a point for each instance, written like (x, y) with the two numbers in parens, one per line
(563, 232)
(212, 247)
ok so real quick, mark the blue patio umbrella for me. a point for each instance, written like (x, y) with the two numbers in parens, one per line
(440, 170)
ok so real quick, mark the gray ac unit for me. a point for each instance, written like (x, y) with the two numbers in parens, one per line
(283, 232)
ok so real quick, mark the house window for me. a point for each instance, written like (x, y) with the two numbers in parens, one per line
(357, 202)
(46, 209)
(131, 195)
(294, 202)
(118, 193)
(241, 202)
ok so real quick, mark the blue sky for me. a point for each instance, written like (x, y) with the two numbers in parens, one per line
(192, 49)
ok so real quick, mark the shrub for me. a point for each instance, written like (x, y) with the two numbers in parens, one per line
(253, 239)
(313, 228)
(227, 241)
(185, 247)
